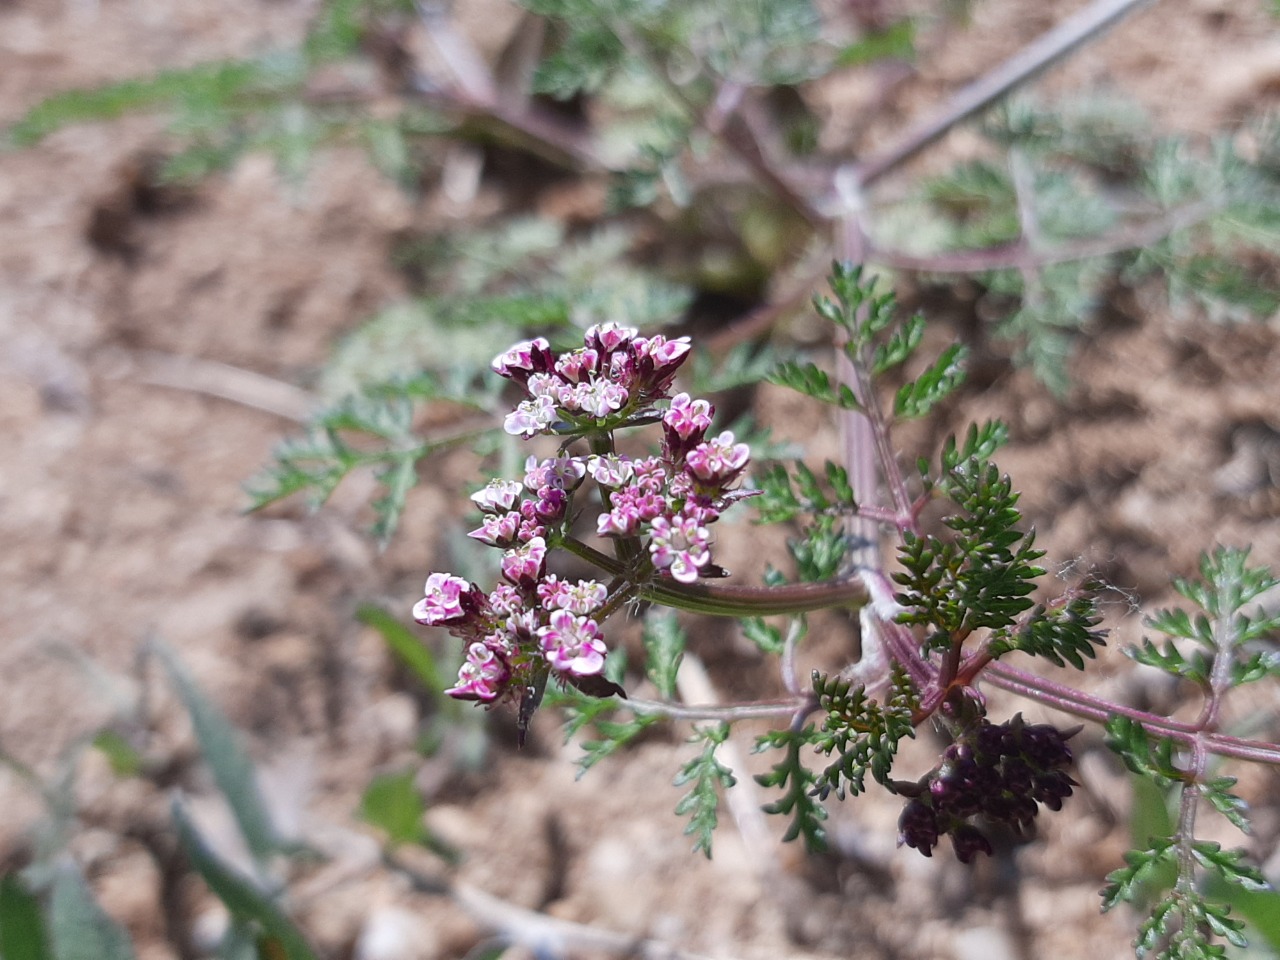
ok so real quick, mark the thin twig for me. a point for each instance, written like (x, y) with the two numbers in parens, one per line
(1088, 707)
(1033, 293)
(475, 93)
(470, 73)
(214, 379)
(737, 137)
(730, 713)
(752, 324)
(1021, 255)
(543, 935)
(1076, 30)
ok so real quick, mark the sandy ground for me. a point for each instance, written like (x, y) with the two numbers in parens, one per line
(125, 310)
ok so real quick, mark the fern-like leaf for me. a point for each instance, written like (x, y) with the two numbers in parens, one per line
(708, 777)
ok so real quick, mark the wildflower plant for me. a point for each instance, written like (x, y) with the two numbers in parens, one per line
(933, 633)
(629, 472)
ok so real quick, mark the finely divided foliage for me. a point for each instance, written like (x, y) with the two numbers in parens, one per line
(1227, 632)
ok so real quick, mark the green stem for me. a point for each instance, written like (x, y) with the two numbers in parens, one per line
(726, 600)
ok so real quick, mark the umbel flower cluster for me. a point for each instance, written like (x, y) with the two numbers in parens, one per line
(657, 509)
(999, 771)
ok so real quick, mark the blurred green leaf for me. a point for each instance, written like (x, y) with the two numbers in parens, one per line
(897, 40)
(125, 761)
(406, 645)
(664, 642)
(22, 935)
(489, 950)
(232, 769)
(247, 903)
(209, 83)
(392, 803)
(797, 781)
(1149, 818)
(767, 638)
(80, 929)
(1259, 908)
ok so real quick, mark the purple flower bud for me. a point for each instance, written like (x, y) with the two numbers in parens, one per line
(606, 338)
(552, 504)
(918, 827)
(1044, 746)
(1017, 775)
(968, 842)
(1052, 788)
(523, 359)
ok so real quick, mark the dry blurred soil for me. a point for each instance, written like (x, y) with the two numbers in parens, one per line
(125, 310)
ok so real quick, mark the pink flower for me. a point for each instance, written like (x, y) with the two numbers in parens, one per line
(656, 360)
(523, 566)
(572, 644)
(610, 470)
(448, 599)
(505, 600)
(684, 425)
(599, 398)
(548, 385)
(482, 677)
(681, 546)
(531, 417)
(578, 365)
(631, 507)
(583, 597)
(609, 337)
(564, 473)
(664, 353)
(498, 496)
(687, 416)
(718, 461)
(651, 475)
(498, 531)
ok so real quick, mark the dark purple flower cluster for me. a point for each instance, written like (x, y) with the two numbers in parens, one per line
(533, 622)
(999, 773)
